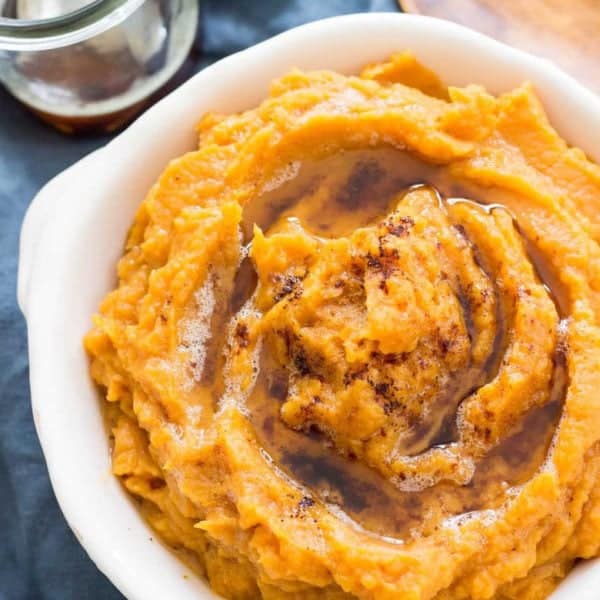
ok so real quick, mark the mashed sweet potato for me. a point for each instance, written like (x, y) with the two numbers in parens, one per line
(354, 348)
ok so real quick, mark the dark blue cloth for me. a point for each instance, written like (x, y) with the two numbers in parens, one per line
(39, 556)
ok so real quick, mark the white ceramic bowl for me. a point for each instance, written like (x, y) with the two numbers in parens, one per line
(74, 231)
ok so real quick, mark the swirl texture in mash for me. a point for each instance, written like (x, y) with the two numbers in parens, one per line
(354, 347)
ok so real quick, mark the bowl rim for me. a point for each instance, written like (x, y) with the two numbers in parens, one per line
(39, 218)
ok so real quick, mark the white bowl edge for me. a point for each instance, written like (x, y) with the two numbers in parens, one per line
(57, 235)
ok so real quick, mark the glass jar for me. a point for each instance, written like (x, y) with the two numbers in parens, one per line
(92, 64)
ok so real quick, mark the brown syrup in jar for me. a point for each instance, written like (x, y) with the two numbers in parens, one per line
(110, 122)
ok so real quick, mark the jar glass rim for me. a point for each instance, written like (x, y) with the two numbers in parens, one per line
(64, 30)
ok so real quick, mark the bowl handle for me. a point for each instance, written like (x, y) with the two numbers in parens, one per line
(36, 224)
(32, 233)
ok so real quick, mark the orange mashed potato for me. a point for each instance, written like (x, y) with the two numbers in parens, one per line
(354, 350)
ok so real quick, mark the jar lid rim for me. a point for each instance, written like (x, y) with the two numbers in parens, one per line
(64, 30)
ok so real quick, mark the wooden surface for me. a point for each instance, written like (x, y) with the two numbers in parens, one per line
(565, 31)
